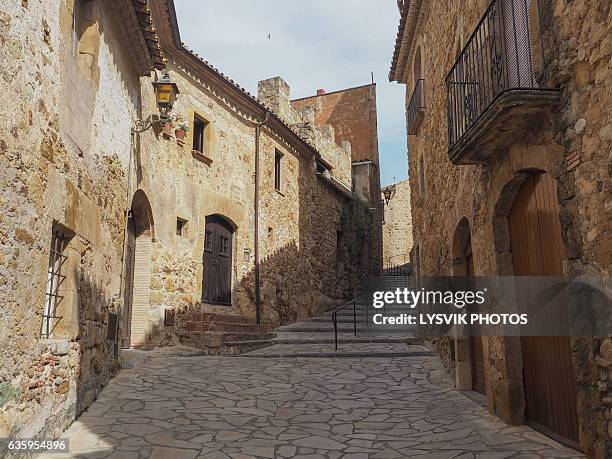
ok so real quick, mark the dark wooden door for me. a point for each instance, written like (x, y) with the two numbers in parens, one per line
(128, 288)
(477, 354)
(537, 250)
(217, 278)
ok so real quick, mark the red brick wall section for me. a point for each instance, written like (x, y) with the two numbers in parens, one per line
(352, 113)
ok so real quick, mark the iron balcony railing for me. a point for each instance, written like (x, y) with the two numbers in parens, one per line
(415, 107)
(498, 57)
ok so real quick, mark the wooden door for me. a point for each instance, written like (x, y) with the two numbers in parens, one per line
(217, 278)
(476, 352)
(537, 250)
(128, 288)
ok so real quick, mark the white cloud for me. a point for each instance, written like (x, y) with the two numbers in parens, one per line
(331, 44)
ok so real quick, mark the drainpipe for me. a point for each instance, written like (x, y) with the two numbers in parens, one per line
(127, 209)
(258, 127)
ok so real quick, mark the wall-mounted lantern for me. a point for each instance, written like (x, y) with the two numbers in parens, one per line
(388, 193)
(166, 91)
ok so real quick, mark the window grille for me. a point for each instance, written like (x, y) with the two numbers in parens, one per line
(55, 280)
(75, 25)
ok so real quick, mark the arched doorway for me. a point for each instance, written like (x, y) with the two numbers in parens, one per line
(463, 265)
(217, 261)
(137, 272)
(537, 250)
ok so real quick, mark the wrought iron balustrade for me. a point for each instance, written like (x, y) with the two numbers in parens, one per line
(503, 55)
(414, 111)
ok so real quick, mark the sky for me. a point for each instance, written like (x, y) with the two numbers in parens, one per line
(330, 44)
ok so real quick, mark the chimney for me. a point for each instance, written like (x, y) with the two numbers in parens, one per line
(320, 92)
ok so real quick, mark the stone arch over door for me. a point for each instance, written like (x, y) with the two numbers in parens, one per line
(218, 260)
(138, 269)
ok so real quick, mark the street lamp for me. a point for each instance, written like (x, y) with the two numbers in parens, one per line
(166, 91)
(388, 193)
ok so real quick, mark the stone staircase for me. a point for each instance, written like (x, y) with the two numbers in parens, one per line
(315, 337)
(223, 334)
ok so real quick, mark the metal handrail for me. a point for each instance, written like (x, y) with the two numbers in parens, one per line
(335, 318)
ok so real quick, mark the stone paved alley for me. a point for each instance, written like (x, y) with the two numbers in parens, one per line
(176, 403)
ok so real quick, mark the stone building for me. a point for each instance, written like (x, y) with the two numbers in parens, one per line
(72, 69)
(117, 230)
(397, 224)
(352, 114)
(508, 107)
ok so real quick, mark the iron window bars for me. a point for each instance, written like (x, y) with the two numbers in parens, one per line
(497, 58)
(55, 279)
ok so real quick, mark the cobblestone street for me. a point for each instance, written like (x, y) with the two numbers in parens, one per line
(174, 403)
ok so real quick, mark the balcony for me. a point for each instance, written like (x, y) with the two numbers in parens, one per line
(496, 88)
(415, 110)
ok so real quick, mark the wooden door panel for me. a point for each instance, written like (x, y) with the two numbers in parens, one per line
(477, 364)
(217, 263)
(128, 288)
(537, 250)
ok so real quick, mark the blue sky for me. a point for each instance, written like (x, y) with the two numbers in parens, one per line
(331, 44)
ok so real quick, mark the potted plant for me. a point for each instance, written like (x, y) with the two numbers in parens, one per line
(181, 129)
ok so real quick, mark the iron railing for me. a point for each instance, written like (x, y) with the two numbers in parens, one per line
(391, 269)
(334, 315)
(415, 106)
(498, 57)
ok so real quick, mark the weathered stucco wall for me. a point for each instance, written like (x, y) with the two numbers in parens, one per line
(573, 145)
(397, 227)
(55, 171)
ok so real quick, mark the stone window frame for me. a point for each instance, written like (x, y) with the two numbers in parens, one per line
(210, 139)
(182, 229)
(63, 314)
(278, 171)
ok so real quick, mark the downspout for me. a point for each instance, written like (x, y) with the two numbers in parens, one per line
(127, 210)
(258, 127)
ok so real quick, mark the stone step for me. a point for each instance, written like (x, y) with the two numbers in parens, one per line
(327, 338)
(350, 350)
(340, 354)
(222, 327)
(211, 317)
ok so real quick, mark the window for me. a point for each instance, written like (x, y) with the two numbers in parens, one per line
(278, 156)
(199, 134)
(55, 281)
(224, 246)
(421, 178)
(208, 241)
(181, 227)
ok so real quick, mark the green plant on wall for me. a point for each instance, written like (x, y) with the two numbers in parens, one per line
(8, 392)
(356, 227)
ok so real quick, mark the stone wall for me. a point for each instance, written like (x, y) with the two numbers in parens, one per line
(397, 227)
(572, 145)
(64, 165)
